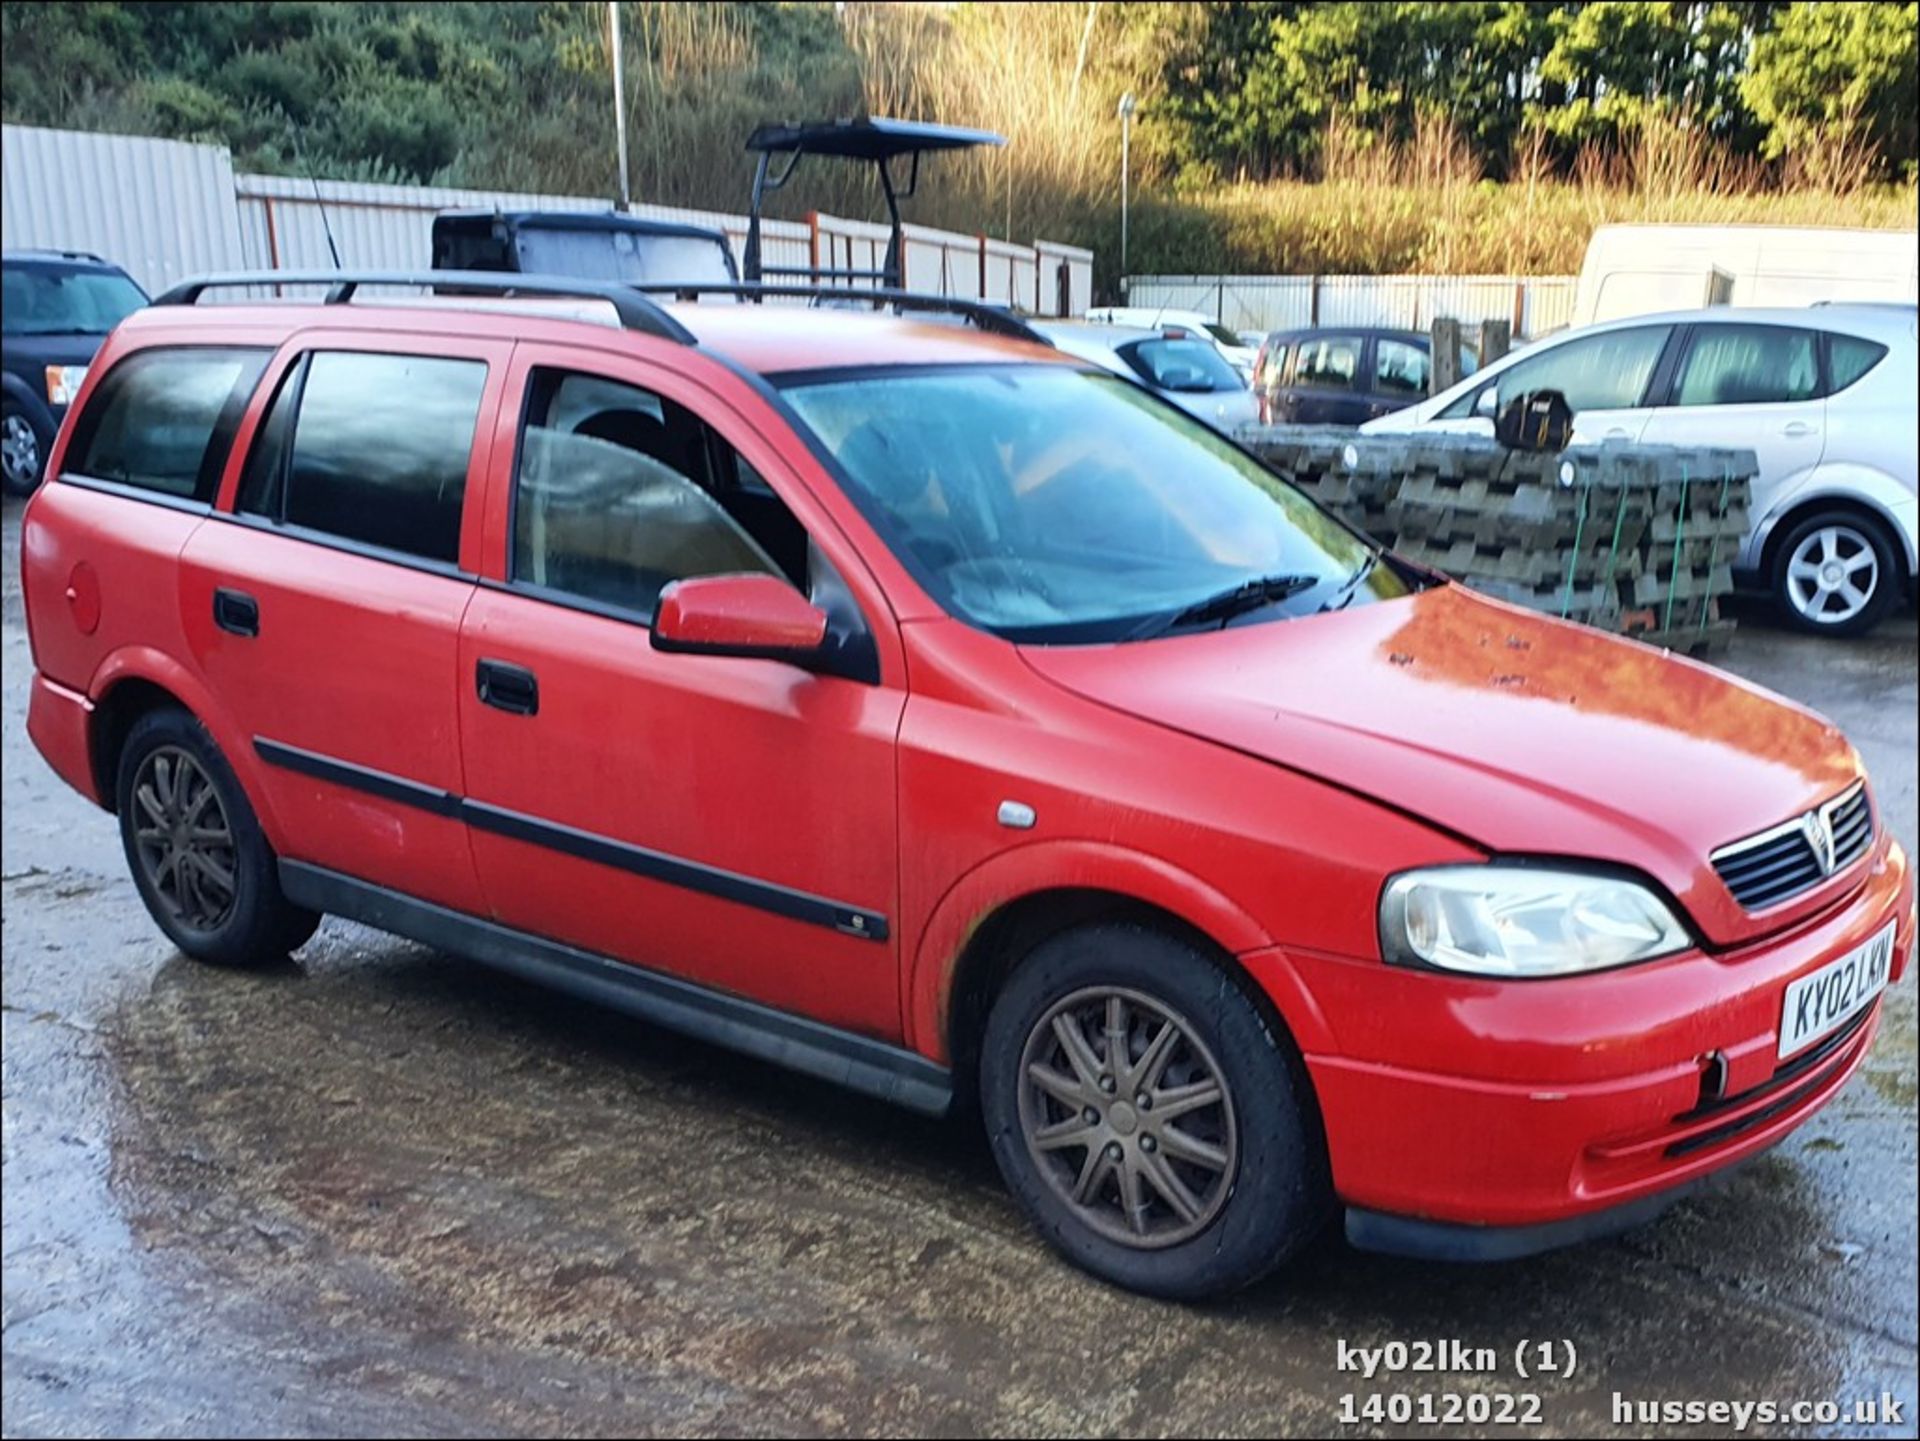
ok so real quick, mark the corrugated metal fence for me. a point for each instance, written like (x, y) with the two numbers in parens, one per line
(166, 210)
(1533, 304)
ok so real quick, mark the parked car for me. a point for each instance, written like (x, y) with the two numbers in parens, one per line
(1185, 367)
(58, 305)
(1343, 376)
(594, 245)
(1824, 396)
(1233, 345)
(931, 711)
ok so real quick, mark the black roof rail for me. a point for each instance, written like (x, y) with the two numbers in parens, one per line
(984, 314)
(635, 310)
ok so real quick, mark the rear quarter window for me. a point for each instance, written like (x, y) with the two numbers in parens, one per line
(1849, 358)
(163, 420)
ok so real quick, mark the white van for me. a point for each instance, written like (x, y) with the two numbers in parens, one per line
(1638, 269)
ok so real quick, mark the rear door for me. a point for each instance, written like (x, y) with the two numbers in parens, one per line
(1326, 386)
(1748, 385)
(323, 599)
(729, 820)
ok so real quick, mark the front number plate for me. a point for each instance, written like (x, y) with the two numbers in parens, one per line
(1823, 1001)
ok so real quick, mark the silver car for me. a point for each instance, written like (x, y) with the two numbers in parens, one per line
(1185, 368)
(1824, 396)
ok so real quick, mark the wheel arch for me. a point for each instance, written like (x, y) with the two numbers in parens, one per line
(997, 914)
(134, 681)
(1850, 500)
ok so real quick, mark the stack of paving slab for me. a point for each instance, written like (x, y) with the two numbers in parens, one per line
(1636, 539)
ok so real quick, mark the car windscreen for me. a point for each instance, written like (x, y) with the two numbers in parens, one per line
(63, 300)
(1183, 365)
(620, 255)
(1056, 505)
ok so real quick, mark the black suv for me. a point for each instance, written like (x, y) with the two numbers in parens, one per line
(58, 307)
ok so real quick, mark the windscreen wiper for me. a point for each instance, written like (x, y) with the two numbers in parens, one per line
(1235, 600)
(1340, 598)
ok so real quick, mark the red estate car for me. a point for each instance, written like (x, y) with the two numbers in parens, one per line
(918, 707)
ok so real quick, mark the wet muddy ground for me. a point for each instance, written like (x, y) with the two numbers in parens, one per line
(381, 1191)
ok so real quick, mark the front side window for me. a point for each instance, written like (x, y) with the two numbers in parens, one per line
(63, 300)
(378, 451)
(620, 491)
(1748, 365)
(1399, 368)
(1329, 363)
(1057, 505)
(163, 420)
(1607, 371)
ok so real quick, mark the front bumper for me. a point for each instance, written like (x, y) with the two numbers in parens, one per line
(1553, 1110)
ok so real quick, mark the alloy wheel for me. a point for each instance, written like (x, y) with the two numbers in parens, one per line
(1832, 574)
(19, 452)
(183, 839)
(1128, 1116)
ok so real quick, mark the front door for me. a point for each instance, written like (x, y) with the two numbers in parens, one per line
(729, 820)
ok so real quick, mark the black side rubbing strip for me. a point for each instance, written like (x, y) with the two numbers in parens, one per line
(857, 1062)
(359, 778)
(654, 865)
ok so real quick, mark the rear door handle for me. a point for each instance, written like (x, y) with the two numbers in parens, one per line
(511, 688)
(236, 612)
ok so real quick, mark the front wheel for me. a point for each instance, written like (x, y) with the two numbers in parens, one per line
(1150, 1121)
(23, 450)
(1836, 573)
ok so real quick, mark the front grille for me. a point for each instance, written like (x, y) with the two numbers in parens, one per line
(1779, 864)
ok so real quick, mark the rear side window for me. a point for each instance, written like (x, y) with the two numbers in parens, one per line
(1748, 365)
(163, 420)
(370, 448)
(1850, 357)
(1329, 363)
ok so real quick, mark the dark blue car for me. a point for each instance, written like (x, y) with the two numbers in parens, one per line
(1343, 375)
(57, 307)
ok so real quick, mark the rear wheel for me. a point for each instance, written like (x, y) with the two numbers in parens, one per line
(23, 450)
(1147, 1117)
(199, 859)
(1836, 573)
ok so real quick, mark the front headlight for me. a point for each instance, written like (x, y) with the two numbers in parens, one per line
(63, 383)
(1506, 920)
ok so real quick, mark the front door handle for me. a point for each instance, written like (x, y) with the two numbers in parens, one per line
(1797, 427)
(511, 688)
(236, 612)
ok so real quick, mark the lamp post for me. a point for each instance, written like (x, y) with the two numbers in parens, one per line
(619, 100)
(1126, 138)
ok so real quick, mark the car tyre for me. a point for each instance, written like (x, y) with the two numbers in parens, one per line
(1183, 1204)
(1836, 573)
(23, 449)
(198, 856)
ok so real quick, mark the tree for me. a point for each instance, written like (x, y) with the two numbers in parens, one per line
(1828, 68)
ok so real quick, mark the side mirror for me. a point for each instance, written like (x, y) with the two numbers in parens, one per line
(1487, 403)
(758, 616)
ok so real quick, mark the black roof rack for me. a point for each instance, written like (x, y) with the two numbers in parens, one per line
(634, 310)
(985, 315)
